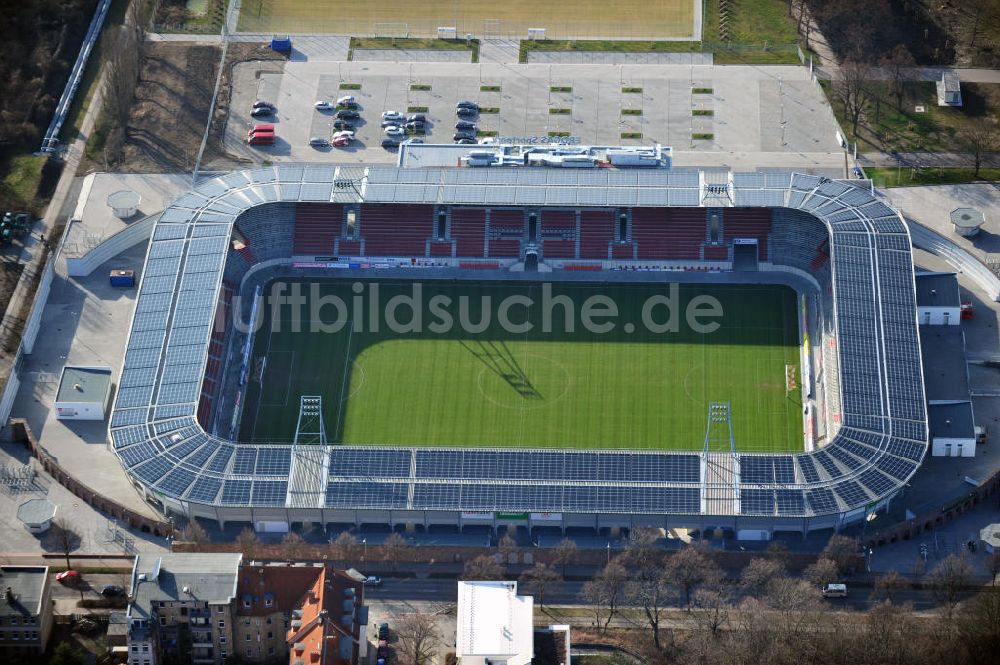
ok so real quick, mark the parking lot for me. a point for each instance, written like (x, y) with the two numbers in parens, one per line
(700, 109)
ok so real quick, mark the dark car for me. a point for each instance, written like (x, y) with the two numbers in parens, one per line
(259, 104)
(347, 114)
(383, 631)
(261, 112)
(112, 591)
(463, 135)
(390, 142)
(343, 125)
(466, 141)
(465, 125)
(382, 652)
(467, 113)
(465, 104)
(416, 117)
(415, 126)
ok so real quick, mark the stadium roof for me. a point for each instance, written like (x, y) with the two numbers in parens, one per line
(883, 435)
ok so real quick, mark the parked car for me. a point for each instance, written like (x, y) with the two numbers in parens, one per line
(261, 112)
(394, 116)
(69, 577)
(392, 123)
(463, 135)
(415, 126)
(414, 140)
(373, 580)
(467, 112)
(112, 591)
(257, 129)
(343, 124)
(390, 142)
(383, 631)
(347, 102)
(394, 130)
(319, 142)
(465, 104)
(259, 104)
(382, 652)
(416, 117)
(323, 105)
(465, 125)
(341, 142)
(466, 142)
(347, 114)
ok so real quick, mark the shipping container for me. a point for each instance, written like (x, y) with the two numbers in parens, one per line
(123, 278)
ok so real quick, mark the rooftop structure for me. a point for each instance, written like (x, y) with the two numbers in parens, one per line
(329, 622)
(937, 289)
(36, 514)
(494, 624)
(83, 392)
(25, 609)
(207, 578)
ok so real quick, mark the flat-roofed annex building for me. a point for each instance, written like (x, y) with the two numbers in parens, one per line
(494, 625)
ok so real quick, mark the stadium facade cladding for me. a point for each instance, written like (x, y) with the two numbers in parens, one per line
(880, 441)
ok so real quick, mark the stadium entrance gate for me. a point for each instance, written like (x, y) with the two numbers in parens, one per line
(745, 254)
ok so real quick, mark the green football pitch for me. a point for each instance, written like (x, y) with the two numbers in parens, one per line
(482, 382)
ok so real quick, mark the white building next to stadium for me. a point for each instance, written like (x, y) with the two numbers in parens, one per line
(495, 625)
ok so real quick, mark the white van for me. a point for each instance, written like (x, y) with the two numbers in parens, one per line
(835, 591)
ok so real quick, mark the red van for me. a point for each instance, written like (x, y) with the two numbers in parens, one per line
(256, 129)
(261, 138)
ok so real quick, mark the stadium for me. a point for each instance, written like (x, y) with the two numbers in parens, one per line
(804, 411)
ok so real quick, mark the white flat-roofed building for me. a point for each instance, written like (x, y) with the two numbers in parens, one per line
(495, 625)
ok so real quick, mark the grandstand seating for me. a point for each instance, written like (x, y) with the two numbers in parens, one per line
(268, 233)
(506, 232)
(216, 355)
(440, 248)
(347, 247)
(716, 252)
(597, 229)
(668, 233)
(316, 226)
(558, 233)
(800, 240)
(468, 229)
(396, 229)
(622, 251)
(748, 223)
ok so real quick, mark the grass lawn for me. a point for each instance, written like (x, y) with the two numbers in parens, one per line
(628, 18)
(413, 43)
(885, 128)
(893, 177)
(558, 389)
(22, 176)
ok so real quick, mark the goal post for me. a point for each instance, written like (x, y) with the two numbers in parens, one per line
(392, 30)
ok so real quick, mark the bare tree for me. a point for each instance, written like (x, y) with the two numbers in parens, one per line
(947, 580)
(710, 608)
(992, 565)
(346, 548)
(394, 547)
(641, 550)
(843, 551)
(824, 570)
(63, 538)
(564, 554)
(605, 592)
(854, 91)
(758, 575)
(888, 586)
(248, 543)
(979, 139)
(895, 66)
(417, 638)
(539, 578)
(690, 568)
(294, 546)
(195, 533)
(507, 546)
(650, 590)
(979, 627)
(484, 567)
(976, 13)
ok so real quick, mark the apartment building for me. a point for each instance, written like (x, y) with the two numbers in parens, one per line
(25, 609)
(329, 624)
(182, 605)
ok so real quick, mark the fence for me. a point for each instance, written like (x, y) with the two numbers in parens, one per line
(21, 431)
(50, 141)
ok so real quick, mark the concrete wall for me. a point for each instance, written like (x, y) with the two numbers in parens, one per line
(939, 316)
(946, 447)
(130, 236)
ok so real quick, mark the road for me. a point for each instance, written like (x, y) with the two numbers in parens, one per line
(568, 594)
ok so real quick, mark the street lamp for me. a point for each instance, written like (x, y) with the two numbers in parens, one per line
(609, 551)
(868, 560)
(364, 555)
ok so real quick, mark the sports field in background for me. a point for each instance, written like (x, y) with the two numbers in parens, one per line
(576, 19)
(617, 390)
